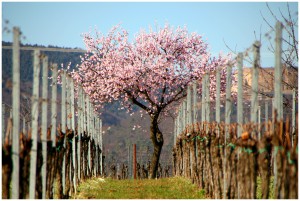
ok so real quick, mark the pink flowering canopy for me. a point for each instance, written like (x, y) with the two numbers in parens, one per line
(152, 72)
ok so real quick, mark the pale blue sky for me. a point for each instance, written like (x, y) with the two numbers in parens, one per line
(62, 24)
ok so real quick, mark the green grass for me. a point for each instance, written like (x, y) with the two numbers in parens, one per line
(166, 188)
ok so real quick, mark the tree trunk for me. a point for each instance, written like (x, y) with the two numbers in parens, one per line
(158, 141)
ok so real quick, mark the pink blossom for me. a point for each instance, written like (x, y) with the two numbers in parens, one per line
(153, 71)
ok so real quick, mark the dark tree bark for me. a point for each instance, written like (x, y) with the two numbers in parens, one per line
(157, 141)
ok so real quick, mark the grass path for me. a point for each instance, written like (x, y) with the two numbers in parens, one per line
(166, 188)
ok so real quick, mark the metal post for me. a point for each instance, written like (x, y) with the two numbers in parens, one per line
(240, 94)
(16, 114)
(256, 65)
(44, 124)
(34, 120)
(54, 104)
(278, 72)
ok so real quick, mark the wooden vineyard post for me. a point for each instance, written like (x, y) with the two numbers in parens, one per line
(180, 119)
(227, 122)
(240, 104)
(184, 114)
(92, 138)
(89, 133)
(95, 130)
(195, 114)
(68, 103)
(189, 107)
(254, 95)
(218, 92)
(3, 123)
(63, 126)
(54, 104)
(44, 123)
(228, 105)
(207, 97)
(134, 161)
(129, 163)
(179, 122)
(240, 94)
(259, 122)
(266, 111)
(203, 100)
(99, 142)
(175, 130)
(96, 142)
(73, 128)
(67, 164)
(16, 114)
(98, 145)
(294, 115)
(254, 109)
(101, 147)
(277, 88)
(189, 123)
(194, 102)
(34, 120)
(80, 130)
(84, 129)
(278, 72)
(24, 126)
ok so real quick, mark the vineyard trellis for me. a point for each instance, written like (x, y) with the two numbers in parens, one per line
(43, 156)
(226, 159)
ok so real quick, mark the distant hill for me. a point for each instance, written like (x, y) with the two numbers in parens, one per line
(27, 61)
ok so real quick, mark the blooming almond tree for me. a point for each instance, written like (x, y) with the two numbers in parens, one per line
(152, 72)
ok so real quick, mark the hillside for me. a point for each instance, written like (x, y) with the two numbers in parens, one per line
(118, 125)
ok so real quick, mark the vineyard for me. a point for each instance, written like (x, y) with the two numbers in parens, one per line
(227, 145)
(228, 159)
(47, 154)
